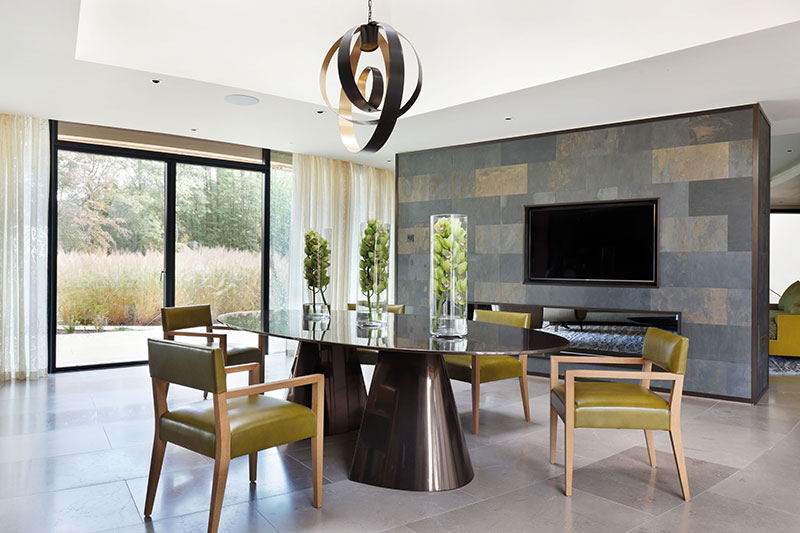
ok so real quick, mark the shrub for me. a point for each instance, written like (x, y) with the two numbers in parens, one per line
(124, 288)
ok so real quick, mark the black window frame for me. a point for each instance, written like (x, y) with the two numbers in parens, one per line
(171, 161)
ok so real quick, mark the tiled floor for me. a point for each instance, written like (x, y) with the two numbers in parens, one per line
(75, 447)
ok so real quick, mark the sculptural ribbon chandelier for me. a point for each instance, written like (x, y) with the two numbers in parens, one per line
(385, 96)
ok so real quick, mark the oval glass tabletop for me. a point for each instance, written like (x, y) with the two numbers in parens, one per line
(407, 333)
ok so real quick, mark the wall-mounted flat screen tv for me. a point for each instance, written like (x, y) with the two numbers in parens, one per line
(598, 242)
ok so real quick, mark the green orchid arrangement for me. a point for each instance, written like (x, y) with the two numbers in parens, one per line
(316, 264)
(374, 263)
(449, 265)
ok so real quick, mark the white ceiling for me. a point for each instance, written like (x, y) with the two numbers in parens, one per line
(549, 65)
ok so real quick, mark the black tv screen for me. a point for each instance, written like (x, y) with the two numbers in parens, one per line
(604, 242)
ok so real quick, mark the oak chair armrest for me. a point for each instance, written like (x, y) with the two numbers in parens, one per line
(594, 359)
(316, 380)
(196, 334)
(244, 367)
(570, 375)
(228, 328)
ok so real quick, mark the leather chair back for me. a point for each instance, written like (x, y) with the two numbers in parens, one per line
(187, 316)
(667, 350)
(506, 318)
(190, 365)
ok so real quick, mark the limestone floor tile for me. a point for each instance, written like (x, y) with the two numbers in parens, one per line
(591, 443)
(773, 480)
(354, 507)
(398, 529)
(189, 491)
(40, 422)
(499, 424)
(775, 418)
(52, 443)
(81, 510)
(49, 403)
(337, 456)
(129, 433)
(628, 478)
(724, 444)
(83, 469)
(240, 518)
(713, 513)
(541, 507)
(510, 465)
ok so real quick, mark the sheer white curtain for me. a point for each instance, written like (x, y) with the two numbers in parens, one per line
(327, 193)
(24, 180)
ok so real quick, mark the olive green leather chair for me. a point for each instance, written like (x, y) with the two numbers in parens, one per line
(175, 319)
(239, 422)
(608, 404)
(494, 367)
(367, 356)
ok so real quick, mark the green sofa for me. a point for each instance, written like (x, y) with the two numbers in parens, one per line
(784, 323)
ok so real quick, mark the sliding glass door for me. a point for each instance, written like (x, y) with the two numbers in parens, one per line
(218, 236)
(110, 248)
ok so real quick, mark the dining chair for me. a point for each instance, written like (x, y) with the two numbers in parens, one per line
(492, 367)
(176, 319)
(365, 355)
(240, 421)
(609, 404)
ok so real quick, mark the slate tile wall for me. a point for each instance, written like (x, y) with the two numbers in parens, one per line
(701, 168)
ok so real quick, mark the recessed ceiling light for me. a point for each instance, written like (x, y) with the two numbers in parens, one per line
(789, 151)
(194, 129)
(320, 111)
(155, 81)
(241, 99)
(508, 118)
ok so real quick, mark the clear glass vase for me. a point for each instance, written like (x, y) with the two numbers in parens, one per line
(373, 274)
(316, 273)
(448, 281)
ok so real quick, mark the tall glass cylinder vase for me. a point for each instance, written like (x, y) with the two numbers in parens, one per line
(448, 282)
(373, 274)
(316, 272)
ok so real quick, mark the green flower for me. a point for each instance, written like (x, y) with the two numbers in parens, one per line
(374, 262)
(316, 265)
(449, 258)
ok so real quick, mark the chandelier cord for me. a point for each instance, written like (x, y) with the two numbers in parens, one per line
(369, 14)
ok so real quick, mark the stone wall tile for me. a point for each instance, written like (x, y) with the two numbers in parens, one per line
(511, 268)
(498, 181)
(512, 210)
(511, 293)
(421, 234)
(740, 164)
(483, 267)
(728, 270)
(486, 291)
(479, 210)
(691, 163)
(498, 239)
(586, 143)
(694, 234)
(556, 176)
(528, 150)
(731, 196)
(697, 305)
(739, 307)
(718, 343)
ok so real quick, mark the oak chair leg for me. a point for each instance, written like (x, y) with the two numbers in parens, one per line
(569, 439)
(476, 392)
(553, 434)
(523, 388)
(651, 448)
(253, 460)
(205, 395)
(318, 401)
(680, 461)
(218, 491)
(156, 460)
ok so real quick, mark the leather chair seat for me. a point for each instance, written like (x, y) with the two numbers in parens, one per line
(257, 422)
(240, 353)
(493, 367)
(614, 405)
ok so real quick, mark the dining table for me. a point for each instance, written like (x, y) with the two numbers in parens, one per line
(409, 432)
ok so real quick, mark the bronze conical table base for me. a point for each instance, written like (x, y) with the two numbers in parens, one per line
(410, 435)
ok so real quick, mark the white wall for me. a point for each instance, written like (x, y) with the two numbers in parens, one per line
(784, 245)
